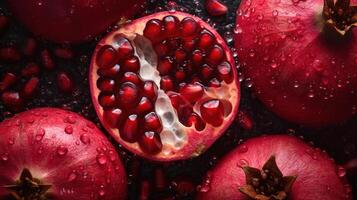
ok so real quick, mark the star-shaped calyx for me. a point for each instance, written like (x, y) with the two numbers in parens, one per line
(267, 183)
(340, 14)
(28, 187)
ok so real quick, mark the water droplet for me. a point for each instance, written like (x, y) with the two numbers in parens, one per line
(112, 155)
(274, 65)
(101, 159)
(68, 129)
(243, 148)
(61, 150)
(5, 156)
(72, 176)
(40, 150)
(101, 192)
(85, 138)
(275, 13)
(70, 119)
(341, 172)
(204, 188)
(242, 163)
(40, 134)
(11, 141)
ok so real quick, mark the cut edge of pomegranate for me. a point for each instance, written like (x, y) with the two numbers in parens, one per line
(181, 149)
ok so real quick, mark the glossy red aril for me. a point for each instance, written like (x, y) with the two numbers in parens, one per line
(72, 20)
(47, 138)
(215, 7)
(299, 59)
(276, 167)
(165, 64)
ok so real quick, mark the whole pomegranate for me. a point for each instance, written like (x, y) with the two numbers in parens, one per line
(165, 85)
(300, 57)
(50, 153)
(71, 20)
(276, 167)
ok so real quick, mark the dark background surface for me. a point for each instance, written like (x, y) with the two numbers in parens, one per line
(339, 142)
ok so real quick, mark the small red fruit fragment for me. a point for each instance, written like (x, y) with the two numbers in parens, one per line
(106, 85)
(12, 100)
(189, 27)
(107, 101)
(46, 60)
(165, 65)
(212, 112)
(64, 53)
(30, 87)
(153, 29)
(192, 92)
(152, 122)
(166, 83)
(216, 55)
(206, 40)
(171, 25)
(64, 82)
(216, 8)
(196, 120)
(107, 57)
(144, 106)
(31, 69)
(130, 129)
(125, 49)
(131, 64)
(113, 117)
(130, 77)
(30, 47)
(150, 90)
(9, 54)
(7, 81)
(225, 72)
(150, 142)
(128, 94)
(110, 72)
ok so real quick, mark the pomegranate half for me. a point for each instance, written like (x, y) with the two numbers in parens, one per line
(50, 153)
(165, 85)
(276, 167)
(300, 57)
(71, 20)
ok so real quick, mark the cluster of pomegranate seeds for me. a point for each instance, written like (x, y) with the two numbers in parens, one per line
(190, 62)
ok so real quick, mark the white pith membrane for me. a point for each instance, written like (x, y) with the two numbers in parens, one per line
(175, 135)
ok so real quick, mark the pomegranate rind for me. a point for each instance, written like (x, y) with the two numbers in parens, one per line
(196, 142)
(64, 150)
(317, 174)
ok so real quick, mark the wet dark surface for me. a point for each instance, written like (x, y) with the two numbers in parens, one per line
(339, 142)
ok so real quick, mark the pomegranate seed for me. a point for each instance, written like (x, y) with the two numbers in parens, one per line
(245, 121)
(196, 120)
(212, 111)
(216, 55)
(12, 100)
(153, 30)
(189, 27)
(150, 90)
(180, 74)
(215, 8)
(183, 187)
(130, 129)
(165, 65)
(192, 92)
(4, 22)
(214, 83)
(113, 117)
(106, 100)
(160, 179)
(150, 142)
(206, 72)
(174, 43)
(128, 94)
(46, 60)
(131, 77)
(64, 53)
(152, 122)
(180, 55)
(144, 106)
(176, 100)
(206, 40)
(30, 47)
(30, 87)
(7, 81)
(144, 190)
(166, 84)
(161, 48)
(197, 57)
(125, 49)
(110, 72)
(64, 82)
(225, 72)
(106, 85)
(9, 54)
(171, 25)
(31, 69)
(107, 57)
(189, 45)
(131, 64)
(184, 112)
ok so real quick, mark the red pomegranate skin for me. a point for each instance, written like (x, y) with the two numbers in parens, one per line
(61, 149)
(303, 73)
(318, 177)
(71, 20)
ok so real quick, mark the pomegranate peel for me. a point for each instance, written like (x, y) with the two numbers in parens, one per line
(171, 82)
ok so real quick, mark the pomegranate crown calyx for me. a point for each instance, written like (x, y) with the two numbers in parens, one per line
(28, 187)
(268, 183)
(340, 14)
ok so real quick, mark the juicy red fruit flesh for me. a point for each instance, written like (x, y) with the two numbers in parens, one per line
(187, 57)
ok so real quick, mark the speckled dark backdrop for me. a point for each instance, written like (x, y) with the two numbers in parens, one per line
(339, 142)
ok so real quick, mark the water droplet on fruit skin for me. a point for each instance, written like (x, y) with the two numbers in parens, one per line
(5, 157)
(11, 141)
(243, 148)
(242, 163)
(85, 138)
(68, 129)
(62, 151)
(101, 159)
(341, 172)
(40, 134)
(72, 176)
